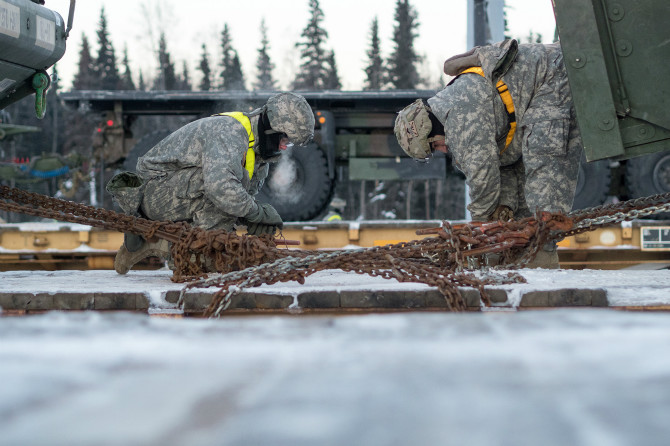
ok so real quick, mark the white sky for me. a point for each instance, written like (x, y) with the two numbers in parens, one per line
(189, 24)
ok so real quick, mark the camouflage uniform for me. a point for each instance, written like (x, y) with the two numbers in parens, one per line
(197, 175)
(538, 170)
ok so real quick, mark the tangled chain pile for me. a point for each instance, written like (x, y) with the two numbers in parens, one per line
(448, 261)
(194, 250)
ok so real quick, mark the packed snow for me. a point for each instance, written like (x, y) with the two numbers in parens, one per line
(561, 377)
(623, 287)
(553, 377)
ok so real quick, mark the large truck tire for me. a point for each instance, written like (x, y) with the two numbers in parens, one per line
(142, 147)
(593, 184)
(649, 175)
(298, 185)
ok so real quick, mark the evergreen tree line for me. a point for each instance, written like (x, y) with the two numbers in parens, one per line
(317, 71)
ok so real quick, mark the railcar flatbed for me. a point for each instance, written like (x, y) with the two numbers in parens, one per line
(641, 244)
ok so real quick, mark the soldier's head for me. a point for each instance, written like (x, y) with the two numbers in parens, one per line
(286, 119)
(419, 132)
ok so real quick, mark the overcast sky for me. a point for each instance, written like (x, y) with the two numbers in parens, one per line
(189, 24)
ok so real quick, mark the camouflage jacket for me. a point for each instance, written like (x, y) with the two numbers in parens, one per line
(216, 146)
(477, 123)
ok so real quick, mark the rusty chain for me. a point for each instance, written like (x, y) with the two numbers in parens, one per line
(191, 246)
(452, 258)
(436, 261)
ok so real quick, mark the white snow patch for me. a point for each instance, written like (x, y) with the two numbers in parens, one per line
(81, 248)
(514, 296)
(157, 300)
(45, 226)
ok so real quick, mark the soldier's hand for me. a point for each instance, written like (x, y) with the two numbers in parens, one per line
(266, 214)
(502, 213)
(260, 229)
(271, 217)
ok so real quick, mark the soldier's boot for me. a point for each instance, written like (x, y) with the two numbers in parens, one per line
(545, 259)
(136, 248)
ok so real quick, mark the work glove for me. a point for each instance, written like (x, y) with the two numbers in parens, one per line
(502, 213)
(260, 229)
(267, 215)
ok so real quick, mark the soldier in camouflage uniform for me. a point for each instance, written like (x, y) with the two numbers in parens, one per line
(509, 124)
(207, 173)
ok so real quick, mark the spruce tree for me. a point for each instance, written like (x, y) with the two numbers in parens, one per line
(185, 78)
(232, 77)
(141, 85)
(105, 64)
(264, 66)
(126, 78)
(375, 70)
(533, 37)
(77, 124)
(235, 78)
(226, 58)
(206, 81)
(313, 69)
(332, 81)
(84, 79)
(402, 65)
(166, 78)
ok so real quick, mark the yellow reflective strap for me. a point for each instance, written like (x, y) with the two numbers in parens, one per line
(250, 162)
(510, 135)
(477, 70)
(250, 159)
(245, 121)
(506, 97)
(334, 218)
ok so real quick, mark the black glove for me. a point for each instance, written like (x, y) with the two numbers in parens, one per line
(260, 229)
(267, 215)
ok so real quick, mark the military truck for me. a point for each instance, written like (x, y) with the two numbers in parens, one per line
(354, 139)
(32, 39)
(616, 54)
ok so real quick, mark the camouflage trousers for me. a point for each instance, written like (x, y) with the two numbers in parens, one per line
(551, 156)
(177, 196)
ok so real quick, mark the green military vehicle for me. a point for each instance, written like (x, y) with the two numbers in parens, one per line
(32, 39)
(616, 54)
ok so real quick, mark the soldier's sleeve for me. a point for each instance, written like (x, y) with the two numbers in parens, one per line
(509, 186)
(471, 139)
(260, 174)
(222, 170)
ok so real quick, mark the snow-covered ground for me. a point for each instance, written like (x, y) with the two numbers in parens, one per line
(553, 377)
(623, 287)
(560, 377)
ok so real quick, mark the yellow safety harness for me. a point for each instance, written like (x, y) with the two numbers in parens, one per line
(250, 159)
(506, 97)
